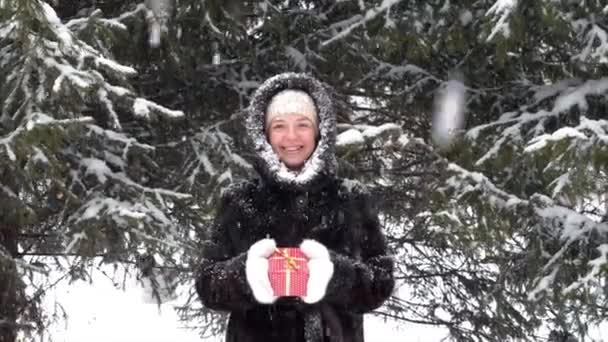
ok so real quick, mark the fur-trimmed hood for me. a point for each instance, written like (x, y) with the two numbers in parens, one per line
(322, 164)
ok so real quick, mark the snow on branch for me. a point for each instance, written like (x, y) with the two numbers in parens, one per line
(467, 181)
(240, 161)
(596, 128)
(62, 33)
(501, 11)
(595, 40)
(79, 78)
(358, 136)
(219, 165)
(34, 121)
(577, 96)
(117, 67)
(139, 8)
(566, 224)
(391, 71)
(567, 95)
(146, 109)
(74, 242)
(388, 71)
(75, 48)
(95, 17)
(572, 227)
(361, 20)
(7, 28)
(120, 138)
(351, 137)
(98, 207)
(102, 172)
(597, 265)
(82, 78)
(574, 151)
(71, 65)
(148, 215)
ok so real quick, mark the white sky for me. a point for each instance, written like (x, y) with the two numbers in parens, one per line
(102, 313)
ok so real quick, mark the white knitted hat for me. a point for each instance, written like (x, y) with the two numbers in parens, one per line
(291, 101)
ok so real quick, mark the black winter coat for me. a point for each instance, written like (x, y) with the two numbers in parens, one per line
(314, 204)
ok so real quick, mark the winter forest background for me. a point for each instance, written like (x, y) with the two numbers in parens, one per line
(121, 123)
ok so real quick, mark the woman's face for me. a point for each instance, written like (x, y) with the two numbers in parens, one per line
(292, 138)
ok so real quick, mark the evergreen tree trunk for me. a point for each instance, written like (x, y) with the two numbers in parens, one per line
(8, 284)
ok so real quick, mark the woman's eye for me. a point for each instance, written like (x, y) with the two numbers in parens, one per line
(277, 127)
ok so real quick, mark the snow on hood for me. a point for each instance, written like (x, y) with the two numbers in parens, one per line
(321, 166)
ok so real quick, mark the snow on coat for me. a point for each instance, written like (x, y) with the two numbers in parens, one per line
(289, 207)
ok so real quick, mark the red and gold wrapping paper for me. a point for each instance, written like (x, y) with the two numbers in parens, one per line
(288, 272)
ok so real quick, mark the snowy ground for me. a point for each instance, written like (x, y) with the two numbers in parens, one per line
(105, 314)
(102, 313)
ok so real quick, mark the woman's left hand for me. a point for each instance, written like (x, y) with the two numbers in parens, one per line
(320, 270)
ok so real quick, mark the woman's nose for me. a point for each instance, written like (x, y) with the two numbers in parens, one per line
(291, 132)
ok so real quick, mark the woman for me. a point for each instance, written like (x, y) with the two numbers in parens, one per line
(298, 201)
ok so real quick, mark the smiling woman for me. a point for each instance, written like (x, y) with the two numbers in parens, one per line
(297, 202)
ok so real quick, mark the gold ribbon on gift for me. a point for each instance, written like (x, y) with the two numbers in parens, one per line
(290, 261)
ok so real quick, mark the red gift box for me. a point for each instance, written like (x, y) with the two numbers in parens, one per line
(288, 272)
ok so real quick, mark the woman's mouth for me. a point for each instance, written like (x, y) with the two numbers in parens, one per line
(292, 149)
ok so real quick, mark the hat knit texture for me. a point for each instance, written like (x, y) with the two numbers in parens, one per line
(291, 101)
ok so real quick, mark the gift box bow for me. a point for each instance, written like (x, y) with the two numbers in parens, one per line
(290, 261)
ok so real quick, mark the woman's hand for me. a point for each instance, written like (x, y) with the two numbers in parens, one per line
(320, 269)
(256, 269)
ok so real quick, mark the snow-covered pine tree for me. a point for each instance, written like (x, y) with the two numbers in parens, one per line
(509, 233)
(498, 237)
(519, 208)
(75, 181)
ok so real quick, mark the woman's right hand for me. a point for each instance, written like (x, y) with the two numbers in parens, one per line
(256, 269)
